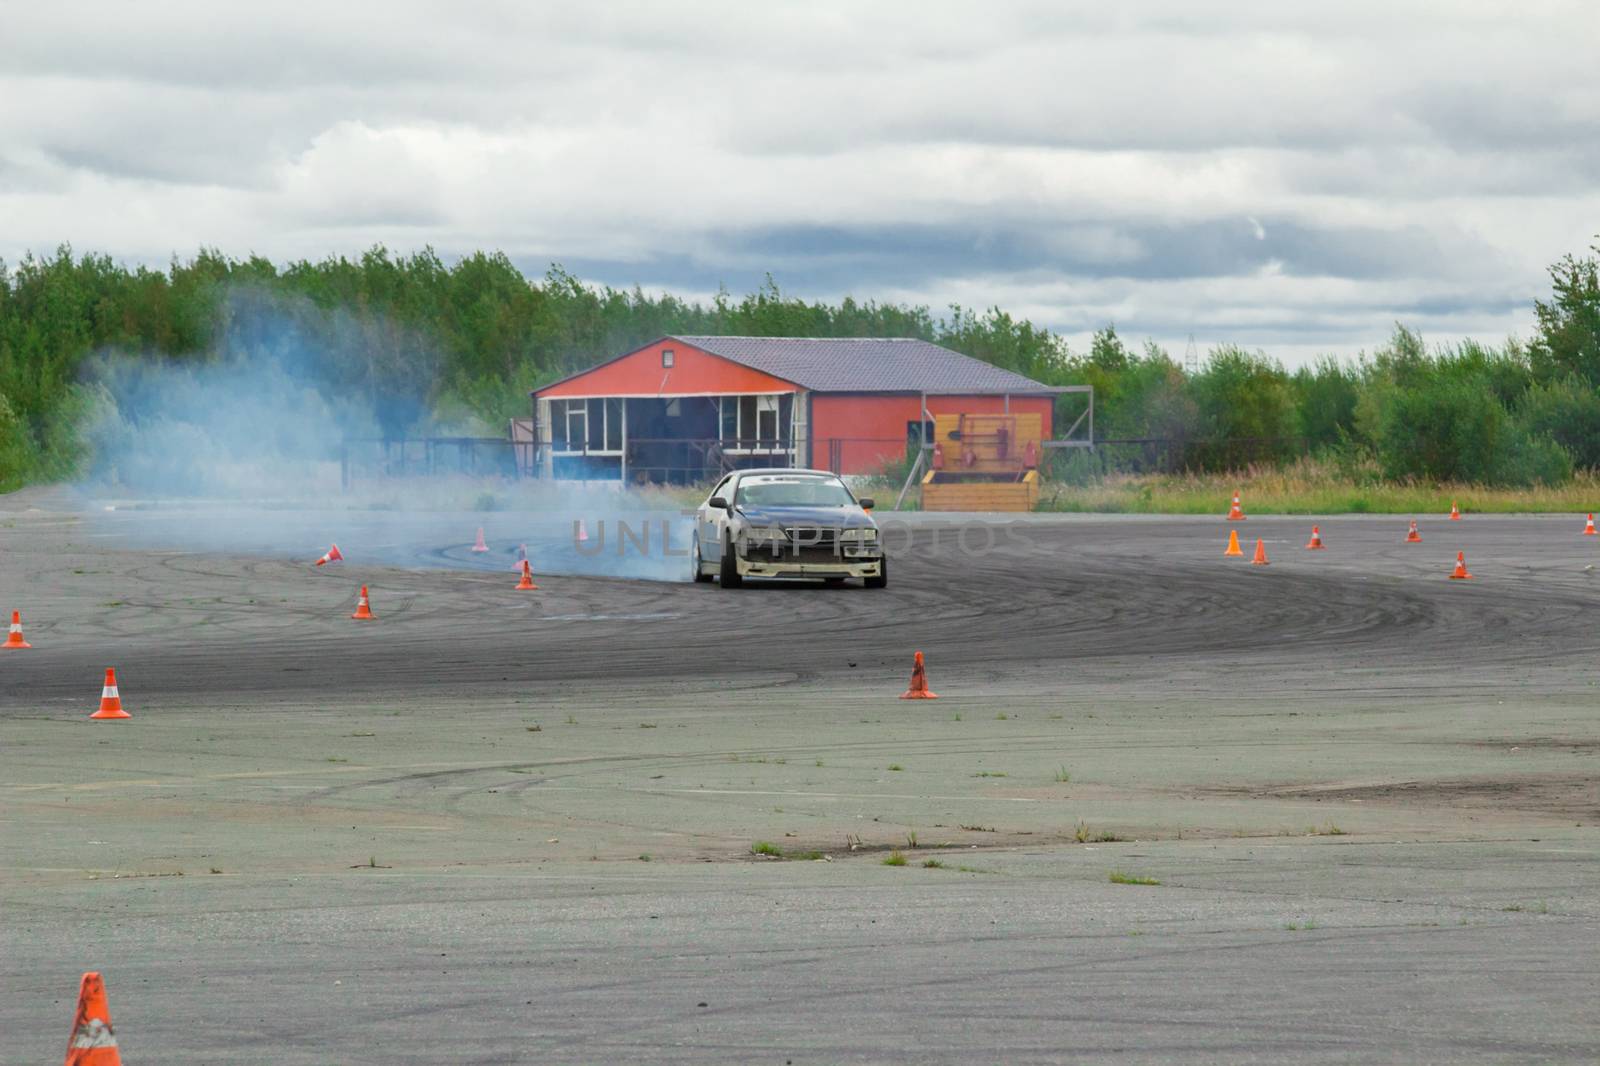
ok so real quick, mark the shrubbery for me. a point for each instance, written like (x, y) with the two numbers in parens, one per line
(423, 344)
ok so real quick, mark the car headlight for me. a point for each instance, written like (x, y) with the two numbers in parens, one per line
(868, 536)
(765, 535)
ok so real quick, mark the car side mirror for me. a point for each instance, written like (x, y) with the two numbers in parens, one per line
(866, 503)
(718, 502)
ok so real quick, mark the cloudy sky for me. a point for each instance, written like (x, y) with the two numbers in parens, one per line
(1287, 176)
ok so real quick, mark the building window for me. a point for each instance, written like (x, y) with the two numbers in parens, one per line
(918, 434)
(586, 425)
(666, 358)
(750, 423)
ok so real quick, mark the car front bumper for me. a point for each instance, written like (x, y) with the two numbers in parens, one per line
(764, 565)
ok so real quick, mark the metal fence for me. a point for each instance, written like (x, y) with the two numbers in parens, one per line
(368, 458)
(1171, 455)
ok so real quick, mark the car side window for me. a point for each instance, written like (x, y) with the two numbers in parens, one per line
(724, 483)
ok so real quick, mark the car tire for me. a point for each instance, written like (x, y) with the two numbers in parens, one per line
(700, 574)
(729, 573)
(882, 580)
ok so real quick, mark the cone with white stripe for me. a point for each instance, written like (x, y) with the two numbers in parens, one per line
(14, 638)
(93, 1043)
(526, 583)
(1235, 514)
(332, 555)
(479, 545)
(1412, 536)
(363, 607)
(1588, 529)
(110, 699)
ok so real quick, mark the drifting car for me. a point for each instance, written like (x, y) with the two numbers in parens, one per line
(786, 523)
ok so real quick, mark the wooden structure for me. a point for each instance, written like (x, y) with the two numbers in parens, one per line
(984, 462)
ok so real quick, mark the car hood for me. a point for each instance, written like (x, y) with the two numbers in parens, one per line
(826, 517)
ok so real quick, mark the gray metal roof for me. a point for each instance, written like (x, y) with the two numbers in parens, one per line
(867, 364)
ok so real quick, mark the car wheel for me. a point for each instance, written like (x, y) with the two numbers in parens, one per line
(699, 563)
(882, 580)
(729, 574)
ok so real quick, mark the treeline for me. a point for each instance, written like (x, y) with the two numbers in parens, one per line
(1518, 413)
(425, 344)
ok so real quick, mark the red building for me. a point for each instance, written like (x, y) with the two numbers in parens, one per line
(683, 408)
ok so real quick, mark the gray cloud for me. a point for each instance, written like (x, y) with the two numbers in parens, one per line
(1075, 163)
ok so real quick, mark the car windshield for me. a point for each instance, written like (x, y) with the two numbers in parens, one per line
(793, 492)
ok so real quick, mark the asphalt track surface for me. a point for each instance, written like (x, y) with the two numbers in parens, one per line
(497, 826)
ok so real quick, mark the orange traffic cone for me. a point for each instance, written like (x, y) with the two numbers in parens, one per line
(1460, 572)
(14, 638)
(527, 577)
(1455, 512)
(110, 699)
(583, 532)
(1412, 536)
(1261, 553)
(363, 606)
(92, 1042)
(919, 682)
(1315, 544)
(1233, 544)
(1234, 513)
(480, 546)
(1588, 530)
(332, 555)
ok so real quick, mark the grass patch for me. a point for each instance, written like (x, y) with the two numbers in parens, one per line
(990, 773)
(1120, 878)
(896, 767)
(1329, 830)
(895, 859)
(647, 725)
(1084, 835)
(772, 851)
(932, 864)
(1538, 908)
(1310, 486)
(1062, 777)
(534, 728)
